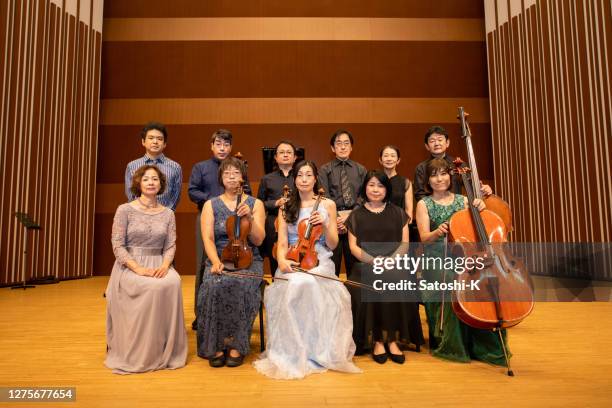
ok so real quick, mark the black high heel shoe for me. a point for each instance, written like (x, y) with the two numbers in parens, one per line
(217, 362)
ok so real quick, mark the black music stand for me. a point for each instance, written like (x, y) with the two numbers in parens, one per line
(30, 225)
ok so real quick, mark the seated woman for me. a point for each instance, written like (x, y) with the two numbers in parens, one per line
(449, 338)
(228, 304)
(309, 317)
(380, 221)
(145, 330)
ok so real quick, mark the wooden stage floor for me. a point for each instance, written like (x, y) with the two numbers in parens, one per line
(54, 336)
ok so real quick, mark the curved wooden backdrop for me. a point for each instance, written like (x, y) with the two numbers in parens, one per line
(270, 70)
(550, 64)
(49, 94)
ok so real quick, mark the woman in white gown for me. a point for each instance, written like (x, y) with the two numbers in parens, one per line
(309, 318)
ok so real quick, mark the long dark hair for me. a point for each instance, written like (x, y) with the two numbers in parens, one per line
(292, 208)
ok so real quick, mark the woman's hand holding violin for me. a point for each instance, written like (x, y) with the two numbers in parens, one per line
(244, 211)
(316, 218)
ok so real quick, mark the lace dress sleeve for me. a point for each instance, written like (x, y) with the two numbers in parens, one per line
(170, 244)
(119, 235)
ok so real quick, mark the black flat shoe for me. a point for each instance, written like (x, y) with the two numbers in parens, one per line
(397, 358)
(217, 362)
(380, 358)
(235, 361)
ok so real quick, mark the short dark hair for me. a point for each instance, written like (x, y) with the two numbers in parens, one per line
(390, 147)
(287, 142)
(154, 126)
(231, 162)
(435, 129)
(222, 134)
(384, 180)
(137, 179)
(433, 167)
(339, 132)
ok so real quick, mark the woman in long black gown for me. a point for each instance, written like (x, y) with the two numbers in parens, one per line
(380, 221)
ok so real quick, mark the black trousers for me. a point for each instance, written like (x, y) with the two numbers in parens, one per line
(266, 247)
(343, 250)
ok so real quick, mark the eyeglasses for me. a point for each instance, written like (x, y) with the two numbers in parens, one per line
(231, 173)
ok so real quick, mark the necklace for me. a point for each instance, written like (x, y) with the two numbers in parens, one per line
(147, 206)
(376, 210)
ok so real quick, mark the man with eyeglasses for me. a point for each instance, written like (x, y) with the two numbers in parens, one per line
(342, 179)
(436, 143)
(271, 194)
(203, 186)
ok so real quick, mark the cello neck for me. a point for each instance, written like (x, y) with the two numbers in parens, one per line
(466, 135)
(481, 230)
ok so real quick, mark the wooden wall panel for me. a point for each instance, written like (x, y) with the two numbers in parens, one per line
(271, 70)
(549, 67)
(45, 140)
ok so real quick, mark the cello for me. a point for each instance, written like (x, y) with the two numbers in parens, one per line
(237, 254)
(303, 251)
(505, 295)
(493, 202)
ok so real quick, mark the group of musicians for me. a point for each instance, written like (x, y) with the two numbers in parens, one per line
(315, 322)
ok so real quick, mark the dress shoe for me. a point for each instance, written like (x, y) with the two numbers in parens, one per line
(217, 362)
(396, 358)
(380, 358)
(235, 361)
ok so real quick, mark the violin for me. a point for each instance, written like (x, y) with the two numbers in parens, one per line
(237, 254)
(493, 202)
(282, 208)
(303, 251)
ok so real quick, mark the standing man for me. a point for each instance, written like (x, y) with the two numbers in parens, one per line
(436, 143)
(271, 194)
(154, 138)
(342, 179)
(203, 186)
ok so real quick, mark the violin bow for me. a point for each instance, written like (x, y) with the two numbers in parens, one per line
(348, 281)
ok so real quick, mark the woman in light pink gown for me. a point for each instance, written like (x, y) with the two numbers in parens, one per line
(145, 330)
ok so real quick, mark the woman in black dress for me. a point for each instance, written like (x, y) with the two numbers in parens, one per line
(380, 221)
(401, 187)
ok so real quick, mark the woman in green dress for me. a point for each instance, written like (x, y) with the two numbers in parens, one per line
(449, 337)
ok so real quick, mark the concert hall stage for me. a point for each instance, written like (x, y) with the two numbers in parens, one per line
(54, 335)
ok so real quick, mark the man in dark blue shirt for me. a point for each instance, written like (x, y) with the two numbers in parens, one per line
(203, 186)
